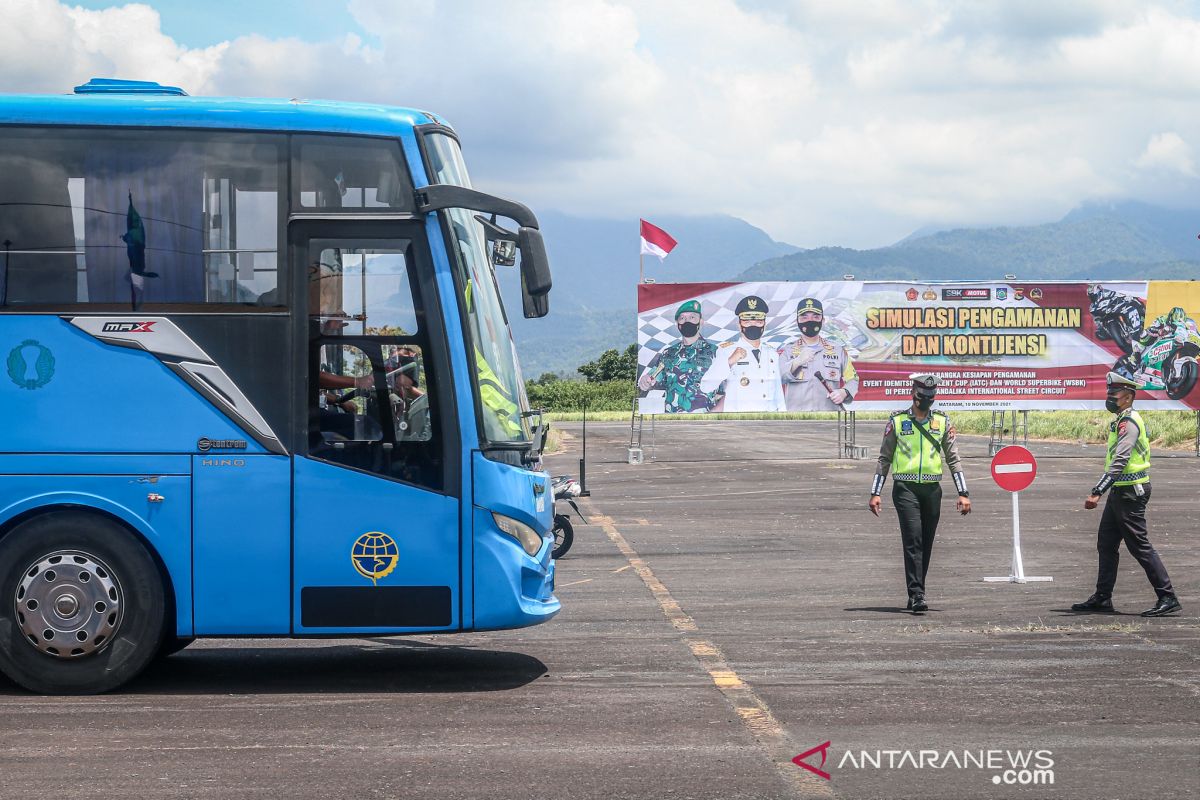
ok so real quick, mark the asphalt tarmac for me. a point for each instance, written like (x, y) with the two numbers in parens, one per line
(733, 604)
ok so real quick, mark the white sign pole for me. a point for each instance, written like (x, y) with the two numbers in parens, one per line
(1018, 566)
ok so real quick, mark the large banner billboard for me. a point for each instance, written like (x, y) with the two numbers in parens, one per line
(821, 346)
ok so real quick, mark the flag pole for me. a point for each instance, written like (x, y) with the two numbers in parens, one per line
(641, 257)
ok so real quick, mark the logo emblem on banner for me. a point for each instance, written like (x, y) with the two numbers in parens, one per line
(1018, 294)
(912, 295)
(1002, 293)
(929, 294)
(969, 293)
(1035, 294)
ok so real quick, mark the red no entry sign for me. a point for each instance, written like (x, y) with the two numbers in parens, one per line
(1014, 468)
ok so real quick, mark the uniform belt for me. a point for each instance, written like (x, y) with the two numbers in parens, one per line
(913, 477)
(1126, 477)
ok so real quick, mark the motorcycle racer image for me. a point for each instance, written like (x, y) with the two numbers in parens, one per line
(1118, 316)
(1164, 356)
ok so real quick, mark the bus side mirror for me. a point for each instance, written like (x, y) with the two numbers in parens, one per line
(504, 253)
(534, 306)
(535, 264)
(535, 273)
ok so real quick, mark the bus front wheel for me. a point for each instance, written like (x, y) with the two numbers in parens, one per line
(81, 604)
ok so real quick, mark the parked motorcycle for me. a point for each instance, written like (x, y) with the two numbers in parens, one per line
(1165, 364)
(564, 488)
(1118, 317)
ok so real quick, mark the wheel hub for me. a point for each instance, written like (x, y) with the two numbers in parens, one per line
(68, 604)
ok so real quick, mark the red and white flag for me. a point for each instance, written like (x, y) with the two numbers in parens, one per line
(656, 241)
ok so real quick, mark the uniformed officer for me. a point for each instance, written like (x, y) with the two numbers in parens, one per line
(749, 371)
(1127, 471)
(817, 372)
(915, 442)
(679, 366)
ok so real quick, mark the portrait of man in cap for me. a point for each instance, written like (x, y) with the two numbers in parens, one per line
(678, 367)
(817, 372)
(745, 371)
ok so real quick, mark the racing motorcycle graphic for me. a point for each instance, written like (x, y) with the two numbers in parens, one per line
(1118, 317)
(1167, 364)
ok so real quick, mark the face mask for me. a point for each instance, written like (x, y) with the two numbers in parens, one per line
(924, 403)
(689, 329)
(1110, 403)
(810, 328)
(753, 332)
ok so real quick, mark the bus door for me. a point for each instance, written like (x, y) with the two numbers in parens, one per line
(376, 521)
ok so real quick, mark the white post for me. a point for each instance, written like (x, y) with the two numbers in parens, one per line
(1018, 569)
(1017, 575)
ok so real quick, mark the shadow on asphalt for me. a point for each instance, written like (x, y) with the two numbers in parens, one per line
(1067, 612)
(396, 667)
(882, 609)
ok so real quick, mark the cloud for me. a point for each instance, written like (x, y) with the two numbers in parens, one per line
(826, 123)
(1168, 151)
(47, 46)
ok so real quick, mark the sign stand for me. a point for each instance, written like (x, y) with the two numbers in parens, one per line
(1013, 469)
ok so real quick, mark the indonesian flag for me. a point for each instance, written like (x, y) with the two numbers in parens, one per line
(656, 241)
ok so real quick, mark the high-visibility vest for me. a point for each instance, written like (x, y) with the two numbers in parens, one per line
(1137, 470)
(496, 399)
(916, 459)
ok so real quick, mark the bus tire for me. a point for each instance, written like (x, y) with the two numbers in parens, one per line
(81, 604)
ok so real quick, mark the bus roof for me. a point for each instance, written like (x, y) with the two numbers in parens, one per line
(104, 102)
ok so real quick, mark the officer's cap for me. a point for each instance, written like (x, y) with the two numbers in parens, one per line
(751, 307)
(690, 305)
(924, 382)
(810, 304)
(1116, 380)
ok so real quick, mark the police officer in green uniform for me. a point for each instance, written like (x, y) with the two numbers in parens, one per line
(915, 443)
(1127, 472)
(679, 366)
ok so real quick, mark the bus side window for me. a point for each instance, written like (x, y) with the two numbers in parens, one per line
(347, 410)
(340, 173)
(369, 337)
(407, 393)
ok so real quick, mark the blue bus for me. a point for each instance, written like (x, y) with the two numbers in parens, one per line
(259, 381)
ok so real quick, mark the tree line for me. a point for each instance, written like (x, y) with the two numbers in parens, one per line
(607, 385)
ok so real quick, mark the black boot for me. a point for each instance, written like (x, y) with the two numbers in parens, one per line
(1167, 604)
(917, 604)
(1096, 602)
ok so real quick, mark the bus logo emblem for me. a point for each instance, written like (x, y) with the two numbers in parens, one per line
(30, 364)
(129, 327)
(374, 555)
(204, 444)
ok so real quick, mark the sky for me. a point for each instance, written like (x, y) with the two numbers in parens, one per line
(822, 122)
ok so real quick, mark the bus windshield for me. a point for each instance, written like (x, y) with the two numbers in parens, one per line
(499, 387)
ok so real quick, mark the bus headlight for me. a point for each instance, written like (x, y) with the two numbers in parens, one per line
(531, 540)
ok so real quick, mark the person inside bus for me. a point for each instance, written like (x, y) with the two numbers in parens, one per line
(410, 404)
(336, 411)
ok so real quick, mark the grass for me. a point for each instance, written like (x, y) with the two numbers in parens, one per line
(1168, 429)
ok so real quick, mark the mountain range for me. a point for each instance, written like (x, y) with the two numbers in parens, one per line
(595, 263)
